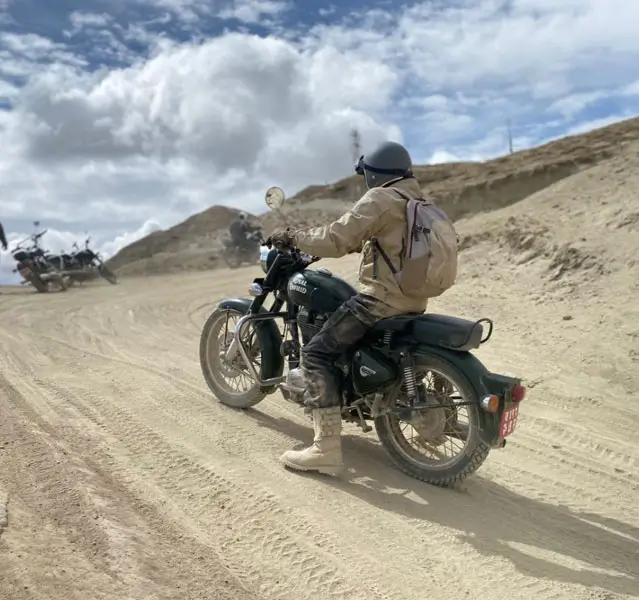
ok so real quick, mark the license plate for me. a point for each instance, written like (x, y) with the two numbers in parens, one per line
(26, 271)
(508, 421)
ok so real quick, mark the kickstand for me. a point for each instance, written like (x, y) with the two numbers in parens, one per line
(366, 428)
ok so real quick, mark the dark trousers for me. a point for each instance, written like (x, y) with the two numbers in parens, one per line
(345, 327)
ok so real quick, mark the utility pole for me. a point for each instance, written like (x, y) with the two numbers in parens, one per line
(356, 148)
(356, 144)
(510, 136)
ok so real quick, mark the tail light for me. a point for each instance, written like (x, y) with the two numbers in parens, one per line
(517, 393)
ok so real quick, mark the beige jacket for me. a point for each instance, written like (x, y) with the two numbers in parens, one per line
(380, 213)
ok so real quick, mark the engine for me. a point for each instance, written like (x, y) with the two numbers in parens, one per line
(309, 323)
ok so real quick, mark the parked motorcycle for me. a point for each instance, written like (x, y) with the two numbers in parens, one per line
(34, 267)
(83, 264)
(413, 376)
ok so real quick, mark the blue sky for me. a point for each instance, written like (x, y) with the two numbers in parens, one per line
(122, 116)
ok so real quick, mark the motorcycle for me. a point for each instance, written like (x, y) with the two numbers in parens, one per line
(234, 255)
(83, 264)
(34, 267)
(413, 373)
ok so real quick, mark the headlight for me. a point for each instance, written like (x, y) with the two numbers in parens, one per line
(265, 263)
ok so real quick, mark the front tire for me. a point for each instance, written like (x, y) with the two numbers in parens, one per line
(109, 275)
(232, 257)
(407, 460)
(214, 341)
(38, 283)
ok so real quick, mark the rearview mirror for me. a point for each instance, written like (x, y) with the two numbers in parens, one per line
(274, 197)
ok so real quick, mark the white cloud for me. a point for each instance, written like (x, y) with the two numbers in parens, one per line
(80, 20)
(254, 11)
(194, 125)
(191, 124)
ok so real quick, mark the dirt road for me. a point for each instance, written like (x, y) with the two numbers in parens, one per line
(122, 477)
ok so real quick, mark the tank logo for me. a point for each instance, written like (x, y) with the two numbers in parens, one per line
(366, 371)
(297, 287)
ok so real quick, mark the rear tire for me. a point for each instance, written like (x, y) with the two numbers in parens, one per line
(62, 284)
(212, 365)
(471, 458)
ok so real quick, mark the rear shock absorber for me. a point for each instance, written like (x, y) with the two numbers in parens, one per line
(410, 383)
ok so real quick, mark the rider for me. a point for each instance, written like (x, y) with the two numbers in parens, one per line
(381, 212)
(3, 238)
(239, 229)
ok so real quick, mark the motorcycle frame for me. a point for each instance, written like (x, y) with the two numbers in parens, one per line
(275, 312)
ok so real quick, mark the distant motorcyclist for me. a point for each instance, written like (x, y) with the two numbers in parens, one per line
(3, 238)
(240, 229)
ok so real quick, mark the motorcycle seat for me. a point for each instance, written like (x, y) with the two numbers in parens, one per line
(446, 331)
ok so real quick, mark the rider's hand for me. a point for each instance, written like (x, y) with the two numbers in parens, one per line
(4, 246)
(282, 237)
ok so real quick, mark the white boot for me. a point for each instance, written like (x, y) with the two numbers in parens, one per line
(325, 455)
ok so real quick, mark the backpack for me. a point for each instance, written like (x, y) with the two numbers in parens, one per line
(428, 263)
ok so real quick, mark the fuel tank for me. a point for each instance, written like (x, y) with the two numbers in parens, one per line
(319, 290)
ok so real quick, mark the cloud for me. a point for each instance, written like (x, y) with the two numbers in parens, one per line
(132, 116)
(254, 11)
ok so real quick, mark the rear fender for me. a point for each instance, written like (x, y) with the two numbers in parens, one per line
(269, 336)
(481, 380)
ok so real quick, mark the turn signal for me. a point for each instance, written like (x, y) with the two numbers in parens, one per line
(490, 403)
(518, 393)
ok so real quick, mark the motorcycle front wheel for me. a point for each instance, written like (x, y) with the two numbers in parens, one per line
(230, 382)
(38, 284)
(232, 258)
(109, 275)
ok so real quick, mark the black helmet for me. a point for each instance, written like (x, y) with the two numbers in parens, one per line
(388, 162)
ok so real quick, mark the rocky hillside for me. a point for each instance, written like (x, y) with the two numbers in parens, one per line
(462, 189)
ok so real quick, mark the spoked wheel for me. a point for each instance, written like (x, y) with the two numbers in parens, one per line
(439, 445)
(38, 283)
(61, 283)
(232, 258)
(109, 275)
(229, 381)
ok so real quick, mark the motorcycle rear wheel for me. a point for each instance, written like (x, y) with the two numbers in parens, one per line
(408, 460)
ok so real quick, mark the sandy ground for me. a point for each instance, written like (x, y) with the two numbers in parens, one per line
(122, 477)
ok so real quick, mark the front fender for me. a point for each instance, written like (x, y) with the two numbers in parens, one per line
(482, 381)
(269, 336)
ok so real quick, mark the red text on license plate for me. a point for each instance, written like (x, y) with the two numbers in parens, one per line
(508, 421)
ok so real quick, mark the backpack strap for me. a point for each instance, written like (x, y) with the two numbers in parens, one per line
(377, 246)
(406, 196)
(378, 249)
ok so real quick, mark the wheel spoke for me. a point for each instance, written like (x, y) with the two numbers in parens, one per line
(438, 436)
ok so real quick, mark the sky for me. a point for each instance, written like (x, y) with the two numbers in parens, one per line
(120, 117)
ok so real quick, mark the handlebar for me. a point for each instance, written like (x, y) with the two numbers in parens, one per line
(292, 250)
(34, 237)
